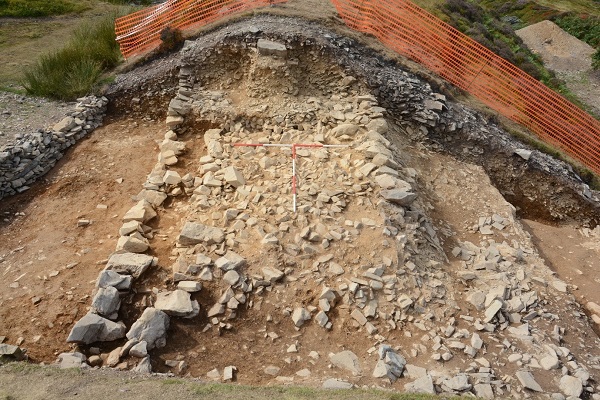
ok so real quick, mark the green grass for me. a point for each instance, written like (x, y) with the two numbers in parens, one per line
(171, 381)
(584, 27)
(76, 69)
(38, 8)
(230, 391)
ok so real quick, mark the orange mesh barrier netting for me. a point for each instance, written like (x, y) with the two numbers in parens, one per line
(417, 34)
(140, 31)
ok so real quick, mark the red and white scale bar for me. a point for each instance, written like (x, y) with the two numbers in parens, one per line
(293, 146)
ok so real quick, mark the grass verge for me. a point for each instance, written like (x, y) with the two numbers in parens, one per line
(38, 8)
(77, 68)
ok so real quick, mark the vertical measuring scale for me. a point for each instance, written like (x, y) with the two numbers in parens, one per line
(293, 146)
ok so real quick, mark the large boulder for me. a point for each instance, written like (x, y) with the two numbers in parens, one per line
(151, 327)
(194, 233)
(10, 352)
(390, 364)
(93, 328)
(129, 263)
(106, 302)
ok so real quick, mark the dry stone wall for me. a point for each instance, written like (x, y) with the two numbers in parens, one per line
(32, 156)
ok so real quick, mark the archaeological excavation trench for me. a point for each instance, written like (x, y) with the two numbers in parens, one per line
(406, 265)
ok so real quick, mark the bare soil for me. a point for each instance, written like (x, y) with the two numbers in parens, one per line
(569, 57)
(41, 245)
(49, 264)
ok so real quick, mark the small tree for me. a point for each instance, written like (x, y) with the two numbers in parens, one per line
(171, 39)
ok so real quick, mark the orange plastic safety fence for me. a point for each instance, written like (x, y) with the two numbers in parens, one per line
(140, 31)
(417, 34)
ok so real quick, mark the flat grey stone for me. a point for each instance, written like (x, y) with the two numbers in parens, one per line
(106, 302)
(398, 196)
(129, 263)
(233, 177)
(571, 386)
(194, 233)
(10, 352)
(140, 350)
(231, 277)
(523, 153)
(484, 391)
(177, 303)
(272, 370)
(230, 261)
(190, 286)
(65, 125)
(108, 278)
(144, 367)
(458, 383)
(93, 328)
(528, 381)
(131, 244)
(390, 364)
(345, 130)
(151, 327)
(272, 274)
(321, 318)
(346, 360)
(153, 197)
(300, 315)
(333, 383)
(492, 310)
(549, 362)
(270, 48)
(71, 360)
(423, 384)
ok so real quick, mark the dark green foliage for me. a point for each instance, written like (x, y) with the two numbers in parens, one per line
(38, 8)
(171, 39)
(130, 2)
(583, 27)
(596, 59)
(74, 70)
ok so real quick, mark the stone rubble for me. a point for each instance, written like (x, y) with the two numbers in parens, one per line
(237, 202)
(33, 155)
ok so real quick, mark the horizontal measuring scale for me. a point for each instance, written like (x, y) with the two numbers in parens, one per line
(293, 146)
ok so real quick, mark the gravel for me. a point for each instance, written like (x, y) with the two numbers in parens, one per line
(23, 115)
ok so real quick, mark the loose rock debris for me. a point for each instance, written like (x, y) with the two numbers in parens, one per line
(362, 255)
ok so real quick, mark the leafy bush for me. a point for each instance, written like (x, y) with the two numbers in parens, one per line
(498, 36)
(171, 38)
(38, 8)
(583, 27)
(135, 2)
(74, 70)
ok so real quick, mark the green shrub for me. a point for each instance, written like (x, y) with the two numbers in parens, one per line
(38, 8)
(583, 27)
(171, 38)
(596, 60)
(74, 70)
(134, 2)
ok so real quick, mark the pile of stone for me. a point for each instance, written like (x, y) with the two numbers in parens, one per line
(234, 201)
(33, 155)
